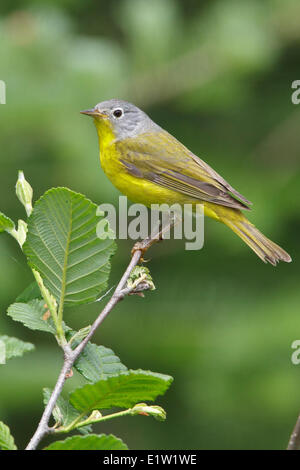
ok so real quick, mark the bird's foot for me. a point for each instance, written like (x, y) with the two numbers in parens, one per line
(144, 245)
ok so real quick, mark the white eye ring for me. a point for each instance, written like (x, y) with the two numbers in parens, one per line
(118, 113)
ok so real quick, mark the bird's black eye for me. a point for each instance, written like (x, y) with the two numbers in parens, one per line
(118, 113)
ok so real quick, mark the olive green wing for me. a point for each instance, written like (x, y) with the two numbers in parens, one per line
(160, 158)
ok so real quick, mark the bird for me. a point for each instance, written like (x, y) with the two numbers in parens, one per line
(150, 166)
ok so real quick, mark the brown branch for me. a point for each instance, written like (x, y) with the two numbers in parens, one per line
(294, 442)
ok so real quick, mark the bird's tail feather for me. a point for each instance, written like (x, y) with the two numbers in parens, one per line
(267, 250)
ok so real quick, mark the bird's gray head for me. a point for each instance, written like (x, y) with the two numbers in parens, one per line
(123, 118)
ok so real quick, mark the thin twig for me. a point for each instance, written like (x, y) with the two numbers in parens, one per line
(294, 442)
(43, 428)
(70, 355)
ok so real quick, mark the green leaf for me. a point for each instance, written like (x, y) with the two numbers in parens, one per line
(31, 292)
(90, 442)
(31, 315)
(6, 223)
(123, 390)
(64, 413)
(6, 439)
(62, 245)
(140, 274)
(77, 336)
(149, 410)
(97, 362)
(15, 347)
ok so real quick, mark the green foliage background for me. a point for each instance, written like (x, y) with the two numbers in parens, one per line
(218, 75)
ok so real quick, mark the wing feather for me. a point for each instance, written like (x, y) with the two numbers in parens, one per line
(163, 160)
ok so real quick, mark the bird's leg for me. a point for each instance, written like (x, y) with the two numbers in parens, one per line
(145, 244)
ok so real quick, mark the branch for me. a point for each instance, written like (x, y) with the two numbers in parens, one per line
(70, 355)
(294, 442)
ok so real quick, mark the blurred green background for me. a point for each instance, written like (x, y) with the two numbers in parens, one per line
(217, 74)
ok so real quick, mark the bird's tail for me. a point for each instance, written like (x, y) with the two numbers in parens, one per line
(267, 250)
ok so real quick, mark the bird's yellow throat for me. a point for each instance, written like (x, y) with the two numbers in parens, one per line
(105, 133)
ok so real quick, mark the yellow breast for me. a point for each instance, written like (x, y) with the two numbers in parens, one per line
(138, 190)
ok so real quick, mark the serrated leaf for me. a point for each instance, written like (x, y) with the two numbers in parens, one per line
(62, 245)
(64, 413)
(122, 391)
(6, 223)
(97, 362)
(90, 442)
(31, 315)
(14, 347)
(31, 292)
(6, 439)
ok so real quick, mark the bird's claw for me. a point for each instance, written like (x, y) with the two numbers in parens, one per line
(140, 246)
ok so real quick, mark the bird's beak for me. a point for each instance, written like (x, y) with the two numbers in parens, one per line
(93, 112)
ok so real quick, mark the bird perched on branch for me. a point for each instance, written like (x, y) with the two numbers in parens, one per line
(150, 166)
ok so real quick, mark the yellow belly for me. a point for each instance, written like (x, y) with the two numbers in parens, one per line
(141, 191)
